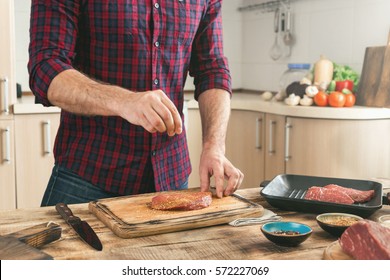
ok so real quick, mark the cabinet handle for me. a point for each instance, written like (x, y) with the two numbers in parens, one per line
(259, 122)
(7, 141)
(271, 137)
(46, 137)
(5, 109)
(287, 142)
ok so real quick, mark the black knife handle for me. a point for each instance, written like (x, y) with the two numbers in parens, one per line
(66, 213)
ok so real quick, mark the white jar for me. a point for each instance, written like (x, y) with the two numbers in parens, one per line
(295, 73)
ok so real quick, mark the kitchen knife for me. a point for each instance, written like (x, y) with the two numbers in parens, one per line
(82, 228)
(240, 197)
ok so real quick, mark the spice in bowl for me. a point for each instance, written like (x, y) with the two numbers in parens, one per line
(336, 223)
(286, 233)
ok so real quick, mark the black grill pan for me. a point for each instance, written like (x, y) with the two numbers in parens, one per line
(286, 192)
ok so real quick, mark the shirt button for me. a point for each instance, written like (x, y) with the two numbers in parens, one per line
(155, 81)
(157, 44)
(156, 5)
(153, 153)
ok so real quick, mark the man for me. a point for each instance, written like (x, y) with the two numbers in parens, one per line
(117, 70)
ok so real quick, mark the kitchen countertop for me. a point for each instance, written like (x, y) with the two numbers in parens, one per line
(247, 101)
(254, 102)
(26, 105)
(216, 242)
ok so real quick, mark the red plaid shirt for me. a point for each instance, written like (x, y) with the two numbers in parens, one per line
(138, 45)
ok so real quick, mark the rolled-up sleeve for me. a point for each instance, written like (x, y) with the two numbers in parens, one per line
(209, 66)
(53, 35)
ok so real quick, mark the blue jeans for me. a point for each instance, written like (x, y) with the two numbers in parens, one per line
(67, 187)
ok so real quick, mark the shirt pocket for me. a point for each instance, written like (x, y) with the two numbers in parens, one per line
(190, 12)
(113, 21)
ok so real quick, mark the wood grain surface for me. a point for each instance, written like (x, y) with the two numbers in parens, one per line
(14, 249)
(374, 85)
(21, 245)
(219, 242)
(132, 216)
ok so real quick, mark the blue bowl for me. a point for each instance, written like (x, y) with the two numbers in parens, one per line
(286, 233)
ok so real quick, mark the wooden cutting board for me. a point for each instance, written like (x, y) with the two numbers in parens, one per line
(374, 85)
(132, 216)
(334, 252)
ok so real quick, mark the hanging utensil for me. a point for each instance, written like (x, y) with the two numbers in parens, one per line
(288, 38)
(276, 50)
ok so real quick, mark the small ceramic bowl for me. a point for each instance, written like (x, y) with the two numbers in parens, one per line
(384, 220)
(336, 223)
(286, 233)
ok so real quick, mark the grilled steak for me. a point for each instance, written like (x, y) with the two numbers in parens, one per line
(328, 195)
(356, 195)
(366, 240)
(181, 200)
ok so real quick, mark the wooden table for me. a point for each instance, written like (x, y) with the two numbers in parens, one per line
(216, 243)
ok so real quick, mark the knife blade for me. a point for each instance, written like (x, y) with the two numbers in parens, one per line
(82, 228)
(240, 197)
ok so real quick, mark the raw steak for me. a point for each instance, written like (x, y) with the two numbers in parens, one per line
(181, 201)
(356, 195)
(328, 195)
(366, 240)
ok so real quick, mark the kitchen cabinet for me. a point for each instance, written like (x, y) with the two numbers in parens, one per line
(7, 165)
(194, 139)
(338, 148)
(245, 147)
(34, 140)
(7, 57)
(275, 145)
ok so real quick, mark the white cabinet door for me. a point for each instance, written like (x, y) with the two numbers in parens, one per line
(34, 138)
(194, 139)
(7, 57)
(275, 145)
(245, 145)
(338, 148)
(7, 165)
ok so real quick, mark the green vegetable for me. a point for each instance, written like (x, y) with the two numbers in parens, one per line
(344, 72)
(332, 86)
(346, 91)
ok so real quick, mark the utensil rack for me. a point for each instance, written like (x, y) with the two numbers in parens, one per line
(266, 7)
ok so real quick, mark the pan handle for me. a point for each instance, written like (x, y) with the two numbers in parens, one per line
(386, 199)
(264, 184)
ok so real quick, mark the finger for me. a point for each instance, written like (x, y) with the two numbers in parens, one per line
(166, 117)
(152, 122)
(204, 180)
(234, 179)
(219, 182)
(177, 122)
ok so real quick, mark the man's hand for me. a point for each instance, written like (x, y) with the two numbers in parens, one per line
(214, 163)
(152, 110)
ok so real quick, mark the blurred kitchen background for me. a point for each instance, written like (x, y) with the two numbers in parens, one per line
(339, 29)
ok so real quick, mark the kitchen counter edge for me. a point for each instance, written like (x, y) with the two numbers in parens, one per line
(247, 101)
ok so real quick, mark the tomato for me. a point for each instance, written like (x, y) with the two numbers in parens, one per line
(340, 85)
(337, 99)
(350, 100)
(321, 99)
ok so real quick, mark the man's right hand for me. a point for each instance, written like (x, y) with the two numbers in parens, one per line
(152, 110)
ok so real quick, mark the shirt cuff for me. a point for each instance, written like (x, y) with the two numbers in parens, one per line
(41, 77)
(220, 81)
